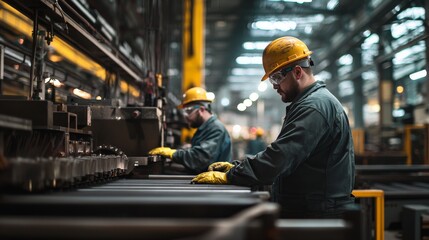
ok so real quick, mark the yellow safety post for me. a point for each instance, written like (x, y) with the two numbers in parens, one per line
(359, 140)
(408, 144)
(379, 208)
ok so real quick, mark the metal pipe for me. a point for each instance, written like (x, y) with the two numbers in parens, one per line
(1, 68)
(33, 52)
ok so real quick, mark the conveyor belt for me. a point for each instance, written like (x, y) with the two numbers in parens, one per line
(154, 208)
(136, 198)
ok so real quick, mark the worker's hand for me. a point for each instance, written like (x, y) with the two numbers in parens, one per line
(163, 151)
(220, 166)
(212, 177)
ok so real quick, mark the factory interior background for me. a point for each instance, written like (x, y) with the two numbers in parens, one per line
(88, 87)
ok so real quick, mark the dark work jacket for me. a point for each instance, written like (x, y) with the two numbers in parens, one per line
(256, 145)
(311, 163)
(210, 143)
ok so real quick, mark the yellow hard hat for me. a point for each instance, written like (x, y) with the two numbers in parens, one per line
(195, 94)
(259, 132)
(281, 52)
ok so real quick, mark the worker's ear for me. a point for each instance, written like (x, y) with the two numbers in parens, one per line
(297, 70)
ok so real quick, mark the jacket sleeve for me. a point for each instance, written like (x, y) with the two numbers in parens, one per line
(300, 135)
(197, 158)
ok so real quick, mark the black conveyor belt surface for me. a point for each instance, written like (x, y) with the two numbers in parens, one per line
(154, 208)
(135, 198)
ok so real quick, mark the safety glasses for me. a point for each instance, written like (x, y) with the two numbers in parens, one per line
(277, 77)
(189, 110)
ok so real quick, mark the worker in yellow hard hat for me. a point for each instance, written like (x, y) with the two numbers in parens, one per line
(257, 144)
(311, 163)
(210, 143)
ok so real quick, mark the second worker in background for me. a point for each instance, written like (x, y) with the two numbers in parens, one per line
(210, 143)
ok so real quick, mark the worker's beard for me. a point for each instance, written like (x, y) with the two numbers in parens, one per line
(197, 122)
(291, 92)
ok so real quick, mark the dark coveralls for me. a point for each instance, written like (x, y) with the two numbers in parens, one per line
(210, 143)
(311, 162)
(256, 145)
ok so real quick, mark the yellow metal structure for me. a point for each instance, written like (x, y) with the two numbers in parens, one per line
(193, 44)
(408, 143)
(359, 140)
(193, 50)
(379, 208)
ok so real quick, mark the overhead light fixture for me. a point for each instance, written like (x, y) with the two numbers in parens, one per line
(211, 96)
(253, 96)
(399, 89)
(248, 60)
(294, 1)
(247, 71)
(418, 75)
(53, 81)
(274, 25)
(332, 4)
(346, 59)
(241, 107)
(81, 93)
(262, 86)
(255, 45)
(224, 102)
(236, 129)
(398, 112)
(247, 102)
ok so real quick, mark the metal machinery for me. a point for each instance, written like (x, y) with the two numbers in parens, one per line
(406, 194)
(80, 170)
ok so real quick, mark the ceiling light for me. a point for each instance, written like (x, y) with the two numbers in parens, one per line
(331, 4)
(236, 129)
(253, 96)
(399, 89)
(308, 29)
(247, 71)
(295, 1)
(81, 93)
(211, 96)
(346, 59)
(241, 107)
(255, 45)
(323, 76)
(249, 60)
(247, 102)
(262, 86)
(224, 102)
(370, 40)
(418, 75)
(398, 112)
(366, 33)
(274, 25)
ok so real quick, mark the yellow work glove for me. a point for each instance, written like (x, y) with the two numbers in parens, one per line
(220, 166)
(163, 151)
(212, 177)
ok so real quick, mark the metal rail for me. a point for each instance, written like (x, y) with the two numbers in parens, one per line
(379, 208)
